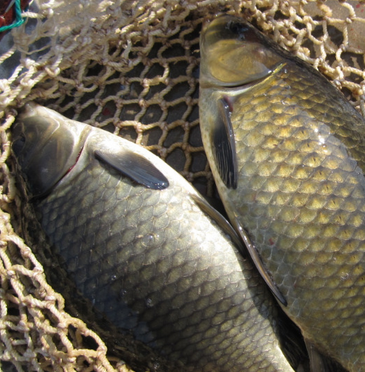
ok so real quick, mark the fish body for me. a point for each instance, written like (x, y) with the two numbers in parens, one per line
(287, 152)
(142, 245)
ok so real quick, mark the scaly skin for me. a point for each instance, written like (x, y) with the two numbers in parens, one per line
(301, 198)
(153, 262)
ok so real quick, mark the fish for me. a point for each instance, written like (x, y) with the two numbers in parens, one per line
(287, 152)
(145, 248)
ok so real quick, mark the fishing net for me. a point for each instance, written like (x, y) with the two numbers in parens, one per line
(132, 68)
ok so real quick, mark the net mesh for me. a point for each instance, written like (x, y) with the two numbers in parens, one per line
(132, 68)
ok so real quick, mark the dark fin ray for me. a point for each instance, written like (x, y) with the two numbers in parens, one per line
(315, 359)
(135, 167)
(259, 264)
(320, 362)
(224, 147)
(221, 222)
(292, 342)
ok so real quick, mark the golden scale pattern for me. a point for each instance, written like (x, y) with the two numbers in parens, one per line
(130, 67)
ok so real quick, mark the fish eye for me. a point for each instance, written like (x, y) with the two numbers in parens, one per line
(237, 28)
(18, 144)
(18, 138)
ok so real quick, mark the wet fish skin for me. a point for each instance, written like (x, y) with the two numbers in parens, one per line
(151, 260)
(299, 194)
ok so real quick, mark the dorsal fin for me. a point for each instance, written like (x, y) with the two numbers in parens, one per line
(134, 166)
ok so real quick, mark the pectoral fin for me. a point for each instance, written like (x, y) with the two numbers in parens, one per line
(136, 167)
(259, 264)
(223, 144)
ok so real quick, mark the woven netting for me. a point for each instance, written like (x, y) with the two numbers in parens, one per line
(132, 68)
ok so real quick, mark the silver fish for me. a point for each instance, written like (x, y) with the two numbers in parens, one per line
(146, 248)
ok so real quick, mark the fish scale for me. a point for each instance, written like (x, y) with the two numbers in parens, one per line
(300, 192)
(153, 261)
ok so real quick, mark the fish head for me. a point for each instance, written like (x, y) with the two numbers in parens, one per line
(234, 53)
(46, 147)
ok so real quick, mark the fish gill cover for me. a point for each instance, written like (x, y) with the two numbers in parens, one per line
(130, 67)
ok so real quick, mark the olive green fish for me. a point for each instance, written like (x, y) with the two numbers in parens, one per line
(287, 152)
(146, 248)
